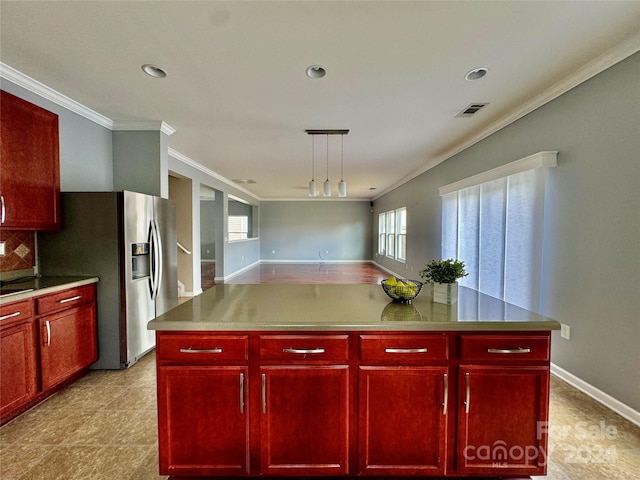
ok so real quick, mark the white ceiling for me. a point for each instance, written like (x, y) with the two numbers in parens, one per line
(237, 94)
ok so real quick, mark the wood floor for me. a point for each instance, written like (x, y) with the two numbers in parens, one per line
(311, 273)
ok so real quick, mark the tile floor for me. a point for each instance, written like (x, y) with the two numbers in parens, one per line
(104, 427)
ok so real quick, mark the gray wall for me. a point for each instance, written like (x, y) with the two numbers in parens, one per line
(86, 160)
(591, 277)
(299, 230)
(211, 226)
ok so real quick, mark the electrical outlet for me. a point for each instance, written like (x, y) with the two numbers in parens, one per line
(565, 331)
(327, 252)
(2, 249)
(273, 251)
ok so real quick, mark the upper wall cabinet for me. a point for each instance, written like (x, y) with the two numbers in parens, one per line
(30, 166)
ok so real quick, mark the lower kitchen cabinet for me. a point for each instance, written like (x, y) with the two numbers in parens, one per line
(403, 420)
(67, 344)
(203, 420)
(354, 404)
(18, 370)
(502, 419)
(45, 341)
(304, 423)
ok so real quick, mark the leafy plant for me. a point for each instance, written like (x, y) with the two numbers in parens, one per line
(443, 271)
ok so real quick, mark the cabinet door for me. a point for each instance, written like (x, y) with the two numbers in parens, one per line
(502, 417)
(68, 343)
(203, 421)
(17, 367)
(304, 421)
(30, 174)
(403, 420)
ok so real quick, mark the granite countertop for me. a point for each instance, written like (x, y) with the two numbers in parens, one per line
(342, 307)
(31, 287)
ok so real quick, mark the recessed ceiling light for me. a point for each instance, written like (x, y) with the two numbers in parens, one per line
(316, 71)
(476, 73)
(153, 71)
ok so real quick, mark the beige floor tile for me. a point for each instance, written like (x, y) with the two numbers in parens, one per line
(16, 460)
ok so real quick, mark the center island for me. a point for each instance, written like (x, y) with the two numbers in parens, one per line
(337, 380)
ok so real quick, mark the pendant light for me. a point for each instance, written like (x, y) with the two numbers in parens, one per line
(327, 183)
(313, 191)
(342, 185)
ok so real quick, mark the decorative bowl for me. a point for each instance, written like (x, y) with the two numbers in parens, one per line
(403, 291)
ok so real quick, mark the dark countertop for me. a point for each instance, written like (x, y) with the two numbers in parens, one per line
(21, 290)
(270, 307)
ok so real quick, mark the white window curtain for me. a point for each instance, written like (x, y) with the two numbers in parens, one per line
(496, 227)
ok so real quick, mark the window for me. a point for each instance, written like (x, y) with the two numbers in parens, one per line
(495, 224)
(401, 236)
(382, 233)
(392, 234)
(238, 227)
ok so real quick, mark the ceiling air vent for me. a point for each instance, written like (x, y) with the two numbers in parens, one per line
(471, 109)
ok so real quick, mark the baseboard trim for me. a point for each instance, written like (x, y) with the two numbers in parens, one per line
(598, 395)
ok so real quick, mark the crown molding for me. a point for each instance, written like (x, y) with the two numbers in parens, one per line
(192, 163)
(52, 95)
(150, 126)
(591, 69)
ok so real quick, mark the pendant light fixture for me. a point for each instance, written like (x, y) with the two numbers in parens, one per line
(326, 186)
(342, 185)
(313, 191)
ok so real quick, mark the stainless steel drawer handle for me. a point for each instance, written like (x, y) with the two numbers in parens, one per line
(264, 393)
(77, 297)
(303, 351)
(406, 350)
(204, 350)
(509, 350)
(11, 315)
(48, 325)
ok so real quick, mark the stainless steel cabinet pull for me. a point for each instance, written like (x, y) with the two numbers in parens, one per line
(445, 401)
(467, 400)
(264, 393)
(48, 325)
(77, 297)
(11, 315)
(204, 350)
(509, 350)
(242, 393)
(406, 350)
(2, 210)
(303, 351)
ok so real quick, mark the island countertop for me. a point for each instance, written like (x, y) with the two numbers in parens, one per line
(331, 307)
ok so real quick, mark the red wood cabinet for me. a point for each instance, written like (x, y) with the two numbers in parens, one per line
(304, 424)
(380, 404)
(501, 420)
(67, 344)
(30, 173)
(403, 420)
(18, 373)
(203, 420)
(45, 342)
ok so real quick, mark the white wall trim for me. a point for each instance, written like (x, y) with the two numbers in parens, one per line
(192, 163)
(604, 398)
(606, 60)
(49, 93)
(315, 261)
(537, 160)
(238, 272)
(145, 126)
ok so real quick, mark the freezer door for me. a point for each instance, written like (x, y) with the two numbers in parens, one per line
(167, 287)
(139, 306)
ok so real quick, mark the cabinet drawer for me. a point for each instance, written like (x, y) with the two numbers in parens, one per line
(65, 299)
(403, 348)
(15, 312)
(305, 347)
(201, 349)
(504, 348)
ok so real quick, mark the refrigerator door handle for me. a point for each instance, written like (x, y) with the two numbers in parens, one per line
(152, 276)
(157, 259)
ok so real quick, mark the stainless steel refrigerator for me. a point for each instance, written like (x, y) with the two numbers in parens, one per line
(128, 240)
